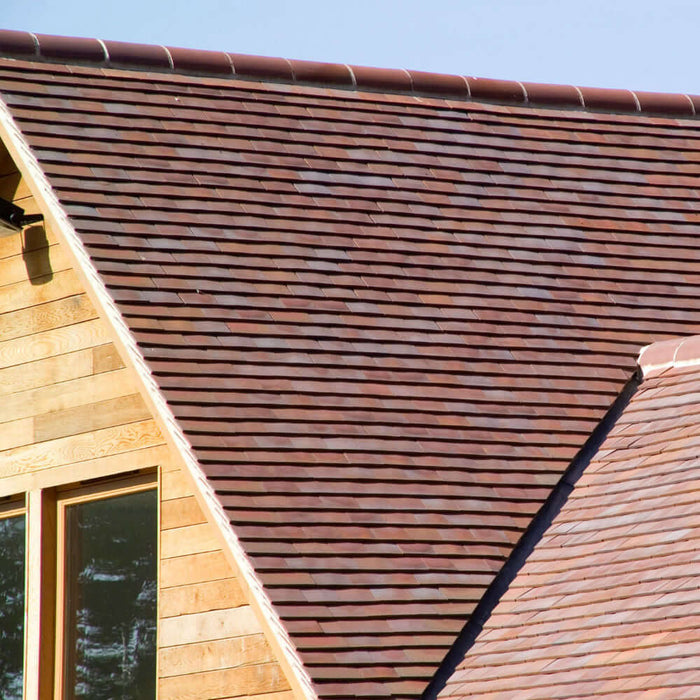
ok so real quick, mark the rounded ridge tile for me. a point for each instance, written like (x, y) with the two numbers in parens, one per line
(335, 74)
(125, 54)
(46, 47)
(19, 44)
(498, 90)
(198, 61)
(454, 86)
(553, 95)
(261, 67)
(609, 99)
(665, 103)
(70, 48)
(382, 78)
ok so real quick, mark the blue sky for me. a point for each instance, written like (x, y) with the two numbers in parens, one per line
(642, 44)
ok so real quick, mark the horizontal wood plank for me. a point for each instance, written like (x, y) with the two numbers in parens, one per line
(66, 395)
(175, 484)
(206, 626)
(106, 358)
(194, 568)
(37, 263)
(16, 433)
(191, 539)
(90, 417)
(52, 370)
(212, 656)
(43, 317)
(80, 448)
(180, 512)
(25, 293)
(57, 341)
(113, 465)
(227, 683)
(201, 597)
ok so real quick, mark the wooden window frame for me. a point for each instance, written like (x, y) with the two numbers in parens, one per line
(44, 510)
(12, 507)
(65, 498)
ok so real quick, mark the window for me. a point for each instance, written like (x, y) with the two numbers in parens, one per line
(12, 587)
(91, 556)
(107, 619)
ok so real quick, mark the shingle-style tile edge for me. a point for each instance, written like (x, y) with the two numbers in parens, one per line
(678, 352)
(55, 215)
(109, 54)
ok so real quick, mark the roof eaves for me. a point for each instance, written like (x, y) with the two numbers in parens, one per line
(55, 215)
(116, 54)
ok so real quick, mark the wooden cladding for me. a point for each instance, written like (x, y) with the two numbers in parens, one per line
(211, 642)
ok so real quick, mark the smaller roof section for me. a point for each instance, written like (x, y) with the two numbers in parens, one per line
(608, 603)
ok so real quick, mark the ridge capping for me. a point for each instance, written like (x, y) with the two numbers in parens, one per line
(23, 45)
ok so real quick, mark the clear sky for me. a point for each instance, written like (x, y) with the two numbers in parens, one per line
(637, 44)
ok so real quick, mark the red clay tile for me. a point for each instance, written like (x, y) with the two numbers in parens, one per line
(609, 99)
(197, 61)
(14, 43)
(664, 103)
(261, 67)
(381, 78)
(70, 49)
(500, 90)
(438, 84)
(552, 95)
(125, 54)
(322, 73)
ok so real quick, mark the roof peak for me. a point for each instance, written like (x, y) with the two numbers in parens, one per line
(116, 54)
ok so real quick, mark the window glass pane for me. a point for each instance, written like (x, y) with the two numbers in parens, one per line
(110, 651)
(12, 543)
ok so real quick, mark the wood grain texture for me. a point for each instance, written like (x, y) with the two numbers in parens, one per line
(211, 643)
(119, 439)
(201, 597)
(226, 683)
(210, 656)
(25, 293)
(180, 512)
(53, 314)
(90, 417)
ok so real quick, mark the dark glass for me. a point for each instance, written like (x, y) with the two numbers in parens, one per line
(12, 545)
(111, 597)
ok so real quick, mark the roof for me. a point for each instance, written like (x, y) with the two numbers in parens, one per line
(607, 605)
(387, 309)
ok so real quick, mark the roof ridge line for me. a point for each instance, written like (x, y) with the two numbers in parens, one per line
(124, 55)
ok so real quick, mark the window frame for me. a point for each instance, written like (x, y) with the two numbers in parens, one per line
(12, 507)
(42, 498)
(67, 496)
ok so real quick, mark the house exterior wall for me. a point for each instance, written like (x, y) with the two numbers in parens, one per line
(70, 411)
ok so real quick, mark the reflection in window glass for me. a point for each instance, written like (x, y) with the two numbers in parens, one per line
(12, 543)
(110, 643)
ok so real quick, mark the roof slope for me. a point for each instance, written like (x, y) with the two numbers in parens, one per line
(608, 602)
(386, 322)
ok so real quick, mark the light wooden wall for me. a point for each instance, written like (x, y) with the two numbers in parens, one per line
(211, 644)
(69, 411)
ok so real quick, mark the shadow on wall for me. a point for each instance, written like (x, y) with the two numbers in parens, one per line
(35, 253)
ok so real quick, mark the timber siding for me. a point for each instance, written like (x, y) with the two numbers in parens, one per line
(70, 411)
